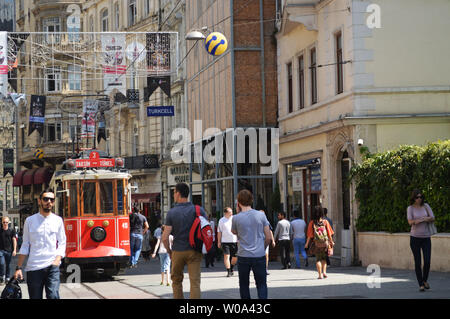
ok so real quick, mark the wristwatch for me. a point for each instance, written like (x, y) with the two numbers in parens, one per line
(18, 268)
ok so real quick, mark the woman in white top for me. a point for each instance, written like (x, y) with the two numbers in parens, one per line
(164, 257)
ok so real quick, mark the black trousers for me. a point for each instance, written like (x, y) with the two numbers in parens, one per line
(285, 252)
(423, 245)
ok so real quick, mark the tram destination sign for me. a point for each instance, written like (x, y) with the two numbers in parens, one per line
(95, 161)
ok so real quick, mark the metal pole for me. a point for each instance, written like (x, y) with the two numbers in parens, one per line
(233, 97)
(263, 67)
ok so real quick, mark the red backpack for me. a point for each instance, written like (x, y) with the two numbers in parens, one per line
(201, 232)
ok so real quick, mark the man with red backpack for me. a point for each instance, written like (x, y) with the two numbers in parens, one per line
(179, 221)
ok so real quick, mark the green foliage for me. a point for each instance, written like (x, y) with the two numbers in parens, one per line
(384, 183)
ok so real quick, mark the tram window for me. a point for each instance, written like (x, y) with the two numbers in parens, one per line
(90, 202)
(106, 198)
(73, 199)
(120, 206)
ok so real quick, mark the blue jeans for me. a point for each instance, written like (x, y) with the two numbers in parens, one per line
(48, 278)
(258, 265)
(5, 260)
(135, 247)
(299, 247)
(164, 260)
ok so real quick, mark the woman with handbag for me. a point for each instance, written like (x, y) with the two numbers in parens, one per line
(421, 218)
(320, 235)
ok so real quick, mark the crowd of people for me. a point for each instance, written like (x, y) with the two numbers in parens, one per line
(243, 235)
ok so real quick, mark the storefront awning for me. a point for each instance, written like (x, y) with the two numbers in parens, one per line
(28, 177)
(17, 180)
(43, 175)
(144, 198)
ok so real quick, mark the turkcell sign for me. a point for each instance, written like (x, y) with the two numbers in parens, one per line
(161, 111)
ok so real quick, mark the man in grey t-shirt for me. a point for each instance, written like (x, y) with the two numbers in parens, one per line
(253, 232)
(178, 223)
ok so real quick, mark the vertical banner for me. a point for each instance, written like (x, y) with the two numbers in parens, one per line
(158, 53)
(37, 114)
(4, 63)
(101, 128)
(8, 161)
(90, 108)
(158, 63)
(114, 66)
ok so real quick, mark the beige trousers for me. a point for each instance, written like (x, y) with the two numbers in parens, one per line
(193, 260)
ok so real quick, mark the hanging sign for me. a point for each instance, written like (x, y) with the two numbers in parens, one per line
(95, 161)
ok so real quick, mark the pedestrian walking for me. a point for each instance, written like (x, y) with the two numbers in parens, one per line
(146, 246)
(164, 258)
(227, 241)
(282, 237)
(209, 256)
(8, 249)
(178, 222)
(419, 216)
(325, 216)
(272, 243)
(299, 239)
(138, 227)
(253, 233)
(44, 242)
(319, 234)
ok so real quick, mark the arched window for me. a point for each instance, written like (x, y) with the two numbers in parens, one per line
(105, 22)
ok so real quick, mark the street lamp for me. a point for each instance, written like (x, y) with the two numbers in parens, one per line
(195, 35)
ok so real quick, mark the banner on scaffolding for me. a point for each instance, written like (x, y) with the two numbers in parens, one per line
(158, 53)
(37, 114)
(8, 161)
(4, 63)
(114, 65)
(90, 108)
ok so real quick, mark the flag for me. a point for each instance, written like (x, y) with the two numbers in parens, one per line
(8, 161)
(114, 67)
(101, 134)
(154, 82)
(37, 114)
(90, 108)
(4, 63)
(158, 53)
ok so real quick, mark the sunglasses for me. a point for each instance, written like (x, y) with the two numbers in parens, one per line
(46, 199)
(5, 222)
(420, 196)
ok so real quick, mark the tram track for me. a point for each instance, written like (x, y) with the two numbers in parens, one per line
(106, 288)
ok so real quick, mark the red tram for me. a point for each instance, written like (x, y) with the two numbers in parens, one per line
(94, 199)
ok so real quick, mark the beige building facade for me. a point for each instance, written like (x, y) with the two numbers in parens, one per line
(355, 74)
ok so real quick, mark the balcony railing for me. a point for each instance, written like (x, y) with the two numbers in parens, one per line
(146, 161)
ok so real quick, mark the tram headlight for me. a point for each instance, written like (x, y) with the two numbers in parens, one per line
(98, 234)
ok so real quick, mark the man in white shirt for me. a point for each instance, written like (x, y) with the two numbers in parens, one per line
(44, 242)
(298, 228)
(283, 236)
(227, 241)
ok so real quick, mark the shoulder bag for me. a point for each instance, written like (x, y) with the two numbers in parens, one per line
(431, 226)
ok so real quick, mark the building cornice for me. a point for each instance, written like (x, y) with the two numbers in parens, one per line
(365, 120)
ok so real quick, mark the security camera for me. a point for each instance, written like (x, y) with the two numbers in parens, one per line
(360, 141)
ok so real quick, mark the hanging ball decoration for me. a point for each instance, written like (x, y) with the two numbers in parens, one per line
(39, 153)
(216, 43)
